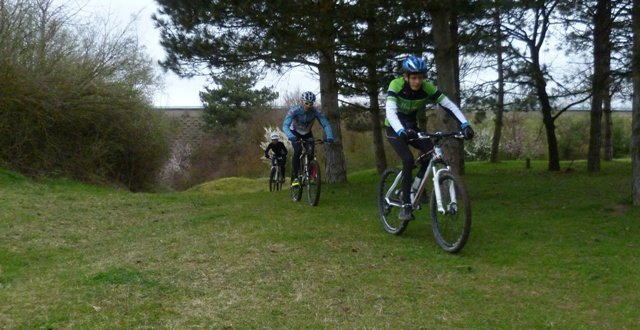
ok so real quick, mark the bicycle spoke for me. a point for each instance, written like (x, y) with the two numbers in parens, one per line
(272, 179)
(451, 228)
(389, 213)
(313, 183)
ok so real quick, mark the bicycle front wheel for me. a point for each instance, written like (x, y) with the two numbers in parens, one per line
(279, 175)
(296, 191)
(273, 177)
(388, 201)
(452, 223)
(313, 183)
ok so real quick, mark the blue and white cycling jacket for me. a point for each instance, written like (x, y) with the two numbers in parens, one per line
(301, 122)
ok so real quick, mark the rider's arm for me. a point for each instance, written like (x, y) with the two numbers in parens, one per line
(286, 124)
(454, 111)
(391, 111)
(325, 125)
(266, 151)
(284, 149)
(391, 106)
(446, 104)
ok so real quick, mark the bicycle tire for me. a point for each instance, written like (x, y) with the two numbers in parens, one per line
(451, 230)
(278, 179)
(272, 179)
(296, 191)
(389, 213)
(314, 182)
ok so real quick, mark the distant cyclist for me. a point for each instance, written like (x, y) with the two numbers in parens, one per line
(297, 126)
(405, 96)
(279, 152)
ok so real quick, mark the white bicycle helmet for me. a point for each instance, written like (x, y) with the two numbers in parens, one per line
(275, 136)
(308, 97)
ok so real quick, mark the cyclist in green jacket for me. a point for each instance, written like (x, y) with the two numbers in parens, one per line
(405, 96)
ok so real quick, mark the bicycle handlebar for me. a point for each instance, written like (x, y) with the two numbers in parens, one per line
(317, 141)
(440, 135)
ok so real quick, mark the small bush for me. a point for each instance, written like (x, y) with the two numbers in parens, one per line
(522, 136)
(572, 131)
(621, 136)
(479, 148)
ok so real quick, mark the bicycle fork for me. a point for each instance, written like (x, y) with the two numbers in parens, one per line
(437, 173)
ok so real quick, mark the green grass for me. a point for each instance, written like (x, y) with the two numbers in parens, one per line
(547, 250)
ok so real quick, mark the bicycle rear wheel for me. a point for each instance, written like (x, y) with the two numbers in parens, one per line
(451, 228)
(389, 212)
(313, 183)
(273, 177)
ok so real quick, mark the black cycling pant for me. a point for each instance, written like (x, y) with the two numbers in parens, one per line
(402, 149)
(297, 151)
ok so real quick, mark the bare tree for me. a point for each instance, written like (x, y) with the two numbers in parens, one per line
(533, 34)
(74, 97)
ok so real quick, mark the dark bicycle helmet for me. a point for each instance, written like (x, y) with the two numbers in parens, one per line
(414, 64)
(308, 97)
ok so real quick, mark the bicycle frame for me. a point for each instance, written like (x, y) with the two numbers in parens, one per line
(436, 172)
(306, 178)
(304, 160)
(275, 161)
(276, 173)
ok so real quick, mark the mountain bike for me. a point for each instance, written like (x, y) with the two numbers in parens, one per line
(309, 176)
(276, 177)
(450, 204)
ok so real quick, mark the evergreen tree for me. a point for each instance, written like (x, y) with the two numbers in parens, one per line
(207, 35)
(234, 99)
(381, 32)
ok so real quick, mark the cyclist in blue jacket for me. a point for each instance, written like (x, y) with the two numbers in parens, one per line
(297, 126)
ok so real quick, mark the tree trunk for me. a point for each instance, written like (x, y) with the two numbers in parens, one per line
(534, 43)
(607, 127)
(497, 129)
(378, 141)
(552, 141)
(446, 66)
(607, 112)
(601, 47)
(635, 121)
(547, 118)
(373, 92)
(336, 169)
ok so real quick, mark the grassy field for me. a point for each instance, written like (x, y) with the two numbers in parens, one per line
(547, 250)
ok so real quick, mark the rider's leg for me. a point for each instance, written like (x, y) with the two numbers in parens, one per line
(282, 162)
(295, 160)
(402, 149)
(425, 146)
(311, 148)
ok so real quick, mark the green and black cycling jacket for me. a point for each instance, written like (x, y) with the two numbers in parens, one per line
(403, 103)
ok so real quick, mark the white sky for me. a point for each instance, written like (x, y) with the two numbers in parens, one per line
(177, 91)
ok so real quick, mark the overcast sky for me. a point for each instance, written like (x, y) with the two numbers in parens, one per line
(177, 91)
